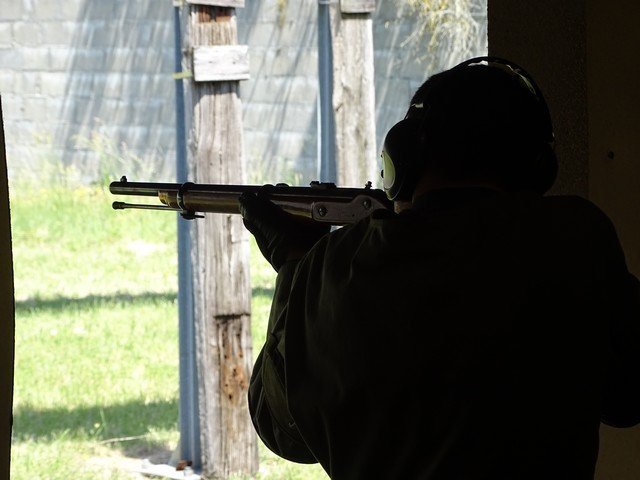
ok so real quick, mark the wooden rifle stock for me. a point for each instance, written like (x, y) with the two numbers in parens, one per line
(321, 202)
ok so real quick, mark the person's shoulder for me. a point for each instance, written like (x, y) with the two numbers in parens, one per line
(568, 201)
(579, 210)
(574, 204)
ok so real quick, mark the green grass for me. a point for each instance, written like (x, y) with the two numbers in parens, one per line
(96, 370)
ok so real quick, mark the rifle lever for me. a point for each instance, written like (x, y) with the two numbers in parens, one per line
(189, 215)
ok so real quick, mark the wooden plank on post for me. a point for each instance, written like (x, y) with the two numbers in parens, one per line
(220, 253)
(220, 63)
(219, 3)
(357, 6)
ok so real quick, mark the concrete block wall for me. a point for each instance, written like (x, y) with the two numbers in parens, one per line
(84, 82)
(87, 72)
(280, 99)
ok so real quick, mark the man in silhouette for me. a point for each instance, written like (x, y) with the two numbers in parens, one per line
(482, 332)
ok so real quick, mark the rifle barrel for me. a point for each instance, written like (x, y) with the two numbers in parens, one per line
(141, 189)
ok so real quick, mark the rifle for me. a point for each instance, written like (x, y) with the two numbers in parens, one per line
(320, 202)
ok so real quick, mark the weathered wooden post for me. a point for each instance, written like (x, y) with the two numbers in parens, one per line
(7, 320)
(354, 92)
(219, 243)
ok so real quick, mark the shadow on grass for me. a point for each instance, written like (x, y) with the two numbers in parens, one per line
(262, 292)
(60, 303)
(109, 424)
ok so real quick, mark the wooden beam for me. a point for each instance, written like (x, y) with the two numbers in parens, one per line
(218, 3)
(357, 6)
(219, 252)
(220, 63)
(7, 320)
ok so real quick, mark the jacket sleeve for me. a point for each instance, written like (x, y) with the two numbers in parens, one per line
(621, 394)
(267, 389)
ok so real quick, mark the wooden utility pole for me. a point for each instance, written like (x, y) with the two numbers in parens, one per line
(354, 92)
(7, 311)
(219, 243)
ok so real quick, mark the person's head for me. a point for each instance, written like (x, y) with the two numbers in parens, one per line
(484, 121)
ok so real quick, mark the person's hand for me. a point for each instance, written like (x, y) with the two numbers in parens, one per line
(280, 236)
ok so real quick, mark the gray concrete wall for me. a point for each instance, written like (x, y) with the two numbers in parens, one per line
(87, 83)
(280, 99)
(86, 71)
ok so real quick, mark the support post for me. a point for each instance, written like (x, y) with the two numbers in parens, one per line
(7, 315)
(219, 252)
(326, 122)
(189, 447)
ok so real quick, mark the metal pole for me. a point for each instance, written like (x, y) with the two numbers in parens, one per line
(326, 121)
(188, 403)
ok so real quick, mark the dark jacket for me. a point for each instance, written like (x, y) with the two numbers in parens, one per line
(481, 335)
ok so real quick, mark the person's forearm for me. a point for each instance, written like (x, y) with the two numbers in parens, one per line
(284, 281)
(267, 390)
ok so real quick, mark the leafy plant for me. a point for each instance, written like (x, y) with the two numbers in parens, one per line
(47, 168)
(282, 12)
(454, 29)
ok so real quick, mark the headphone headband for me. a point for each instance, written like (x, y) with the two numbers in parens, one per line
(524, 77)
(403, 159)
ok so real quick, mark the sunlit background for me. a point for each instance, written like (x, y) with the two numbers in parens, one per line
(88, 95)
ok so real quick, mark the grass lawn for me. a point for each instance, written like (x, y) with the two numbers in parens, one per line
(96, 369)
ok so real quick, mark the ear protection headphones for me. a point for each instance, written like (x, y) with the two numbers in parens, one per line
(404, 154)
